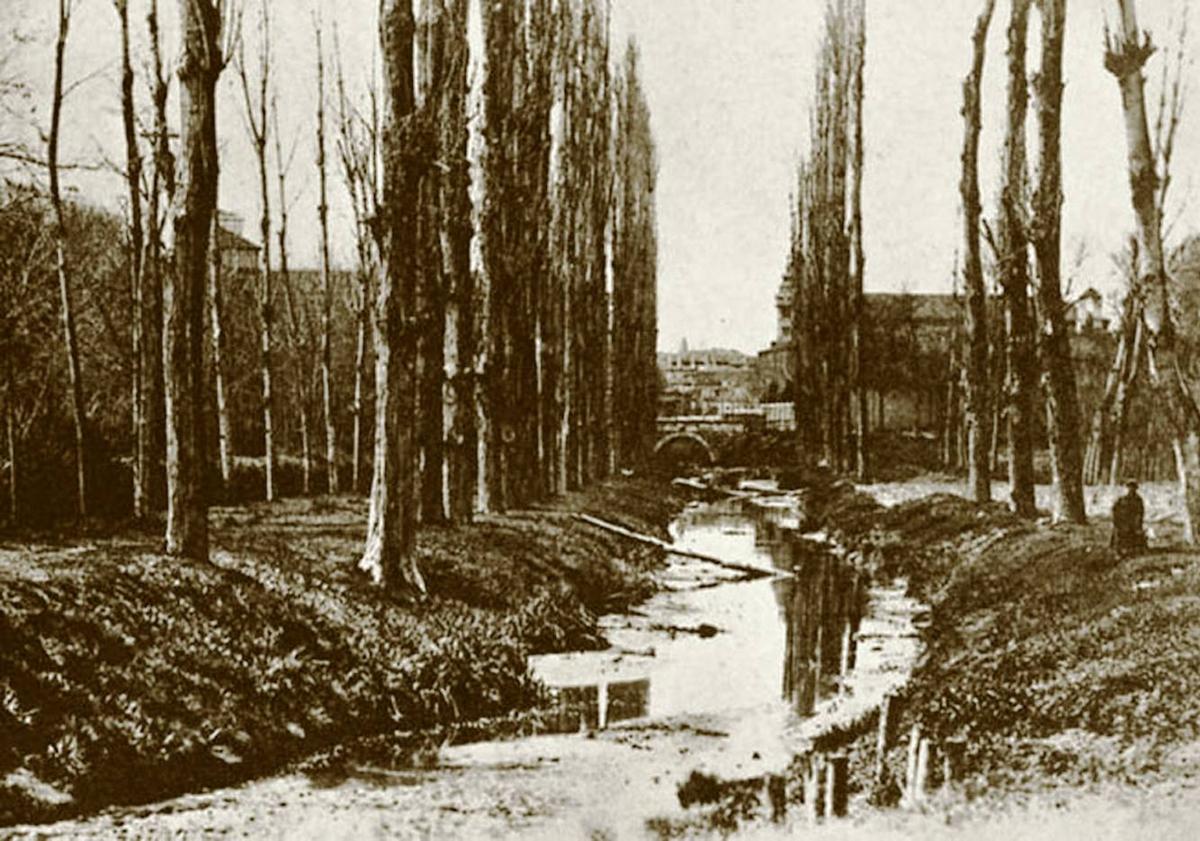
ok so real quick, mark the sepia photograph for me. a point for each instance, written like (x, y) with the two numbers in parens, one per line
(600, 419)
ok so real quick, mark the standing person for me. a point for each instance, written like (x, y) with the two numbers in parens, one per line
(1128, 537)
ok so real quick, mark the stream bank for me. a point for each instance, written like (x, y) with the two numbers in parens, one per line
(1061, 678)
(127, 677)
(718, 674)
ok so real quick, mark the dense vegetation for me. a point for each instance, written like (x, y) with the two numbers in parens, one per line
(123, 678)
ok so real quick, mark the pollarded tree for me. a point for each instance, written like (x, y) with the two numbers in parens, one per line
(1126, 53)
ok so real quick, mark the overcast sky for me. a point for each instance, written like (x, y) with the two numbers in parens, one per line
(729, 85)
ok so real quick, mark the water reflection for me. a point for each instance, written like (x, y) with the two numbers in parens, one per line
(809, 623)
(823, 606)
(598, 706)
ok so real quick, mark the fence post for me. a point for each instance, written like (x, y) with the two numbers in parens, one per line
(879, 777)
(910, 770)
(835, 785)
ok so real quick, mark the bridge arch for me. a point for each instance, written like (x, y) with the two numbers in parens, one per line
(686, 436)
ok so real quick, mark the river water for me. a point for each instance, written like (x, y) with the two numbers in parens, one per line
(716, 673)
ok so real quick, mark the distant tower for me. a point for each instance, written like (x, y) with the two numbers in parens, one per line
(683, 345)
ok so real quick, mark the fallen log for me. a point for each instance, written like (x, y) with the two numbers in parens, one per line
(748, 569)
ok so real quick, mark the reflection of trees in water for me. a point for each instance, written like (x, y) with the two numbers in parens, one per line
(824, 605)
(598, 705)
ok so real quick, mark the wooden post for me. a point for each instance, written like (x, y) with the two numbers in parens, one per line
(777, 795)
(910, 771)
(813, 803)
(835, 785)
(602, 706)
(952, 752)
(878, 777)
(922, 778)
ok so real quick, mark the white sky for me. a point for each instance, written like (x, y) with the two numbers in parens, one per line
(728, 83)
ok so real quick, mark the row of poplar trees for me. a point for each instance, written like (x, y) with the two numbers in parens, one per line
(513, 253)
(826, 261)
(1026, 247)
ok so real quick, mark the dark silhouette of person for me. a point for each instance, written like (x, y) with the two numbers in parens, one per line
(1128, 512)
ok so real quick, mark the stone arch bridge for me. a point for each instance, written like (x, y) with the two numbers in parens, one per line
(707, 434)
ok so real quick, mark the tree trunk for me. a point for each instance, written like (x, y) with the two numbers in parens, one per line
(71, 343)
(388, 555)
(1101, 455)
(1125, 55)
(299, 324)
(461, 325)
(133, 178)
(1014, 273)
(978, 407)
(1118, 420)
(153, 435)
(1064, 422)
(481, 173)
(331, 467)
(10, 434)
(360, 366)
(858, 255)
(265, 319)
(217, 305)
(257, 128)
(187, 508)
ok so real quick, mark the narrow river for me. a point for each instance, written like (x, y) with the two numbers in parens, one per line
(715, 673)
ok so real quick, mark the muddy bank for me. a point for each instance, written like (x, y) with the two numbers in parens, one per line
(126, 677)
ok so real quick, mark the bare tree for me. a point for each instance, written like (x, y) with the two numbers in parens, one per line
(1012, 254)
(1105, 447)
(133, 178)
(152, 435)
(1054, 347)
(388, 555)
(202, 59)
(978, 404)
(216, 300)
(71, 344)
(299, 322)
(358, 151)
(858, 22)
(331, 468)
(1126, 53)
(256, 105)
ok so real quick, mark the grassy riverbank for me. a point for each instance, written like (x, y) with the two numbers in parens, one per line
(1064, 669)
(1058, 664)
(126, 676)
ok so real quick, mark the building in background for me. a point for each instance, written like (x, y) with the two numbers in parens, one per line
(707, 382)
